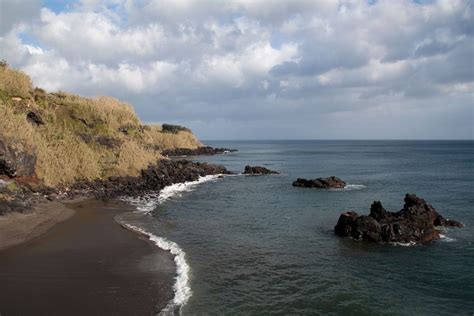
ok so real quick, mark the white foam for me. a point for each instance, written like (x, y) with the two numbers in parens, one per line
(181, 288)
(403, 244)
(178, 188)
(350, 187)
(146, 204)
(446, 238)
(149, 201)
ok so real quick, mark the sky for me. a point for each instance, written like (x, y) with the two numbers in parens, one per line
(254, 69)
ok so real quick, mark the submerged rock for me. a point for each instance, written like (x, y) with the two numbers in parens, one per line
(257, 170)
(415, 223)
(321, 183)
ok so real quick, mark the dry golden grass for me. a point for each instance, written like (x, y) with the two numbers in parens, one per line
(14, 82)
(60, 157)
(67, 146)
(182, 139)
(132, 158)
(63, 159)
(106, 109)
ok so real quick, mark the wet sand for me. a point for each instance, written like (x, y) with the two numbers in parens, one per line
(86, 265)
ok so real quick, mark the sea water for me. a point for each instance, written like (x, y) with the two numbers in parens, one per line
(256, 245)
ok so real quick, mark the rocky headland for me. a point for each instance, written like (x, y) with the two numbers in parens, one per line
(320, 183)
(416, 222)
(200, 151)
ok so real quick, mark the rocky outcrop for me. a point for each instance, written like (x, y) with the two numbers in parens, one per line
(416, 222)
(152, 179)
(15, 161)
(108, 141)
(200, 151)
(320, 183)
(257, 170)
(34, 118)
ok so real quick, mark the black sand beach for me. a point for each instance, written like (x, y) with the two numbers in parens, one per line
(87, 265)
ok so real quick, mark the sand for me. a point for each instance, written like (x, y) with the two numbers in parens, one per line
(86, 265)
(16, 228)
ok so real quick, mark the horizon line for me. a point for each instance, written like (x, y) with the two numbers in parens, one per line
(345, 139)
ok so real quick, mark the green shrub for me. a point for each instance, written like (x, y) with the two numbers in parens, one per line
(175, 129)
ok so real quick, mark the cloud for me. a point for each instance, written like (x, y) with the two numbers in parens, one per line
(14, 13)
(252, 69)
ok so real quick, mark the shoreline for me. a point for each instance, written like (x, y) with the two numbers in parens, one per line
(90, 257)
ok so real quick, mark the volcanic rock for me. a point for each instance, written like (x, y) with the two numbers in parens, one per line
(151, 179)
(15, 161)
(320, 183)
(200, 151)
(416, 222)
(35, 118)
(257, 170)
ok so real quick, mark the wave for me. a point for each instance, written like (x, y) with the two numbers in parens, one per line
(145, 205)
(178, 188)
(446, 238)
(181, 288)
(350, 187)
(411, 244)
(150, 201)
(404, 244)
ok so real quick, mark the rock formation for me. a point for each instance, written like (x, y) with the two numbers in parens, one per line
(200, 151)
(415, 223)
(320, 183)
(257, 170)
(15, 161)
(154, 178)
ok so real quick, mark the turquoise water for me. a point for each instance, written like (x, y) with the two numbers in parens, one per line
(257, 245)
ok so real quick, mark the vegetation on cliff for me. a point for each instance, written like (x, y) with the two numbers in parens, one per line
(65, 137)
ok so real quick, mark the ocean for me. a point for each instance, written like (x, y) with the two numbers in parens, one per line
(256, 245)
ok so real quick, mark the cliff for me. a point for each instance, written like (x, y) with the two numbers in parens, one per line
(58, 138)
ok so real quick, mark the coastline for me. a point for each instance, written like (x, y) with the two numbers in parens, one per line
(86, 233)
(88, 264)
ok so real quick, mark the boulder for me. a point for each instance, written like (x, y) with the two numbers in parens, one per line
(416, 222)
(34, 118)
(15, 161)
(321, 183)
(257, 170)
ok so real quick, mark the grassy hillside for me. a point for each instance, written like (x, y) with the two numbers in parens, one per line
(73, 137)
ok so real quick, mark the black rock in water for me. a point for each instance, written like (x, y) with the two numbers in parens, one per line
(415, 223)
(257, 170)
(321, 183)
